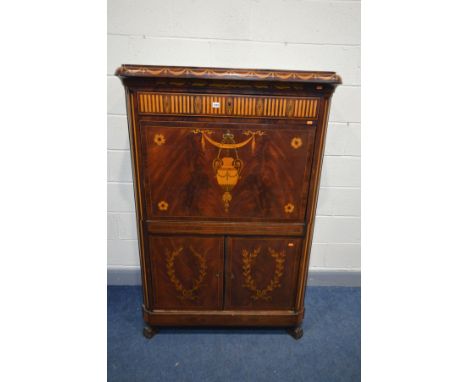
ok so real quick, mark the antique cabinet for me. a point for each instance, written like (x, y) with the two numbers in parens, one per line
(226, 166)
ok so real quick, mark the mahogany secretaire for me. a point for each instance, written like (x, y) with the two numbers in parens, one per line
(226, 167)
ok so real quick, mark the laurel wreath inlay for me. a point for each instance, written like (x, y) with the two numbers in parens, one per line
(185, 294)
(249, 282)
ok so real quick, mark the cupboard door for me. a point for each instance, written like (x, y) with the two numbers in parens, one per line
(187, 272)
(261, 273)
(226, 171)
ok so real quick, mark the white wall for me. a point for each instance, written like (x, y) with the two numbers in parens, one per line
(273, 34)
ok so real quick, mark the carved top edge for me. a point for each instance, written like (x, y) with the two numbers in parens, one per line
(227, 74)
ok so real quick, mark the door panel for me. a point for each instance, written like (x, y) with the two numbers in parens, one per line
(187, 272)
(220, 171)
(261, 273)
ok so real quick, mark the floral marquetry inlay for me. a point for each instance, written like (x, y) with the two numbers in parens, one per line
(296, 142)
(163, 205)
(159, 139)
(289, 208)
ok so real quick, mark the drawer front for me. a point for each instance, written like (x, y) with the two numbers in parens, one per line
(226, 171)
(261, 273)
(227, 105)
(187, 272)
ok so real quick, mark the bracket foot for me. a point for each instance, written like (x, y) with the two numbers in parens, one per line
(296, 332)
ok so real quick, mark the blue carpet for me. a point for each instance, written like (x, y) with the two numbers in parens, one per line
(329, 350)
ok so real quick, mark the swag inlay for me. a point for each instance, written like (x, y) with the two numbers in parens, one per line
(227, 165)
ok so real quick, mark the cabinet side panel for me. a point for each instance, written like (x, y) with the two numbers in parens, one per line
(135, 157)
(319, 148)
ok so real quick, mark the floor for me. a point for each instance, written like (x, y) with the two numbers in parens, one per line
(329, 350)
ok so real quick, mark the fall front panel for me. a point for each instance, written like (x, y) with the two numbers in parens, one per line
(261, 273)
(187, 272)
(226, 171)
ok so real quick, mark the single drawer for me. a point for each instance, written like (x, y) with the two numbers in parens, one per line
(227, 105)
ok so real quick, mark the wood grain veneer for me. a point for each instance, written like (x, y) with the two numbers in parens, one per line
(226, 167)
